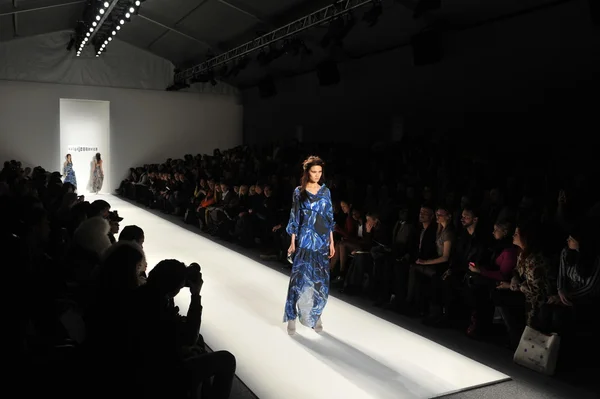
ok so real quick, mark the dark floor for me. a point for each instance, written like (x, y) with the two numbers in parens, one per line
(566, 384)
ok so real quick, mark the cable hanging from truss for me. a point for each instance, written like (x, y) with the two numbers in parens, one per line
(316, 18)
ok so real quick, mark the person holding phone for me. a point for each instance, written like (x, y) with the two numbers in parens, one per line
(310, 226)
(494, 272)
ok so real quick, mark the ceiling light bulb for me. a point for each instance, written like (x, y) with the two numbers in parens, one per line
(102, 11)
(114, 33)
(110, 39)
(127, 15)
(122, 22)
(91, 29)
(118, 27)
(132, 9)
(88, 34)
(106, 4)
(97, 55)
(137, 3)
(97, 17)
(94, 23)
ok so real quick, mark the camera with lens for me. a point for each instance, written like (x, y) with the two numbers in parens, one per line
(193, 274)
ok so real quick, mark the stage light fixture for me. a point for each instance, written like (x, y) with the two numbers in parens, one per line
(103, 19)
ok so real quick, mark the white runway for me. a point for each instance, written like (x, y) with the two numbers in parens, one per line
(358, 356)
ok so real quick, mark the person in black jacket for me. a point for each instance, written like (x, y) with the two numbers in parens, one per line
(168, 347)
(470, 248)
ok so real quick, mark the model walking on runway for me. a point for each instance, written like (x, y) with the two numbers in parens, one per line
(68, 171)
(311, 227)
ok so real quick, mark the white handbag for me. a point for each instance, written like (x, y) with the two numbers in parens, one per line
(538, 351)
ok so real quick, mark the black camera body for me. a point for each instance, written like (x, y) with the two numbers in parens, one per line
(193, 274)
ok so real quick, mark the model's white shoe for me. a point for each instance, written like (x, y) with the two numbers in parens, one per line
(291, 327)
(319, 326)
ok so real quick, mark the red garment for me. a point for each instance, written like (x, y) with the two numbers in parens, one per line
(350, 228)
(506, 262)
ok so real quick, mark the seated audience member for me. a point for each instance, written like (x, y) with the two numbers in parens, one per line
(114, 219)
(168, 347)
(89, 242)
(222, 211)
(347, 245)
(578, 284)
(209, 200)
(486, 275)
(426, 275)
(132, 233)
(112, 284)
(394, 282)
(374, 245)
(99, 208)
(521, 300)
(469, 248)
(347, 226)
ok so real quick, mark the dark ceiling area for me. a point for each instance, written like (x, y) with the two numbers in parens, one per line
(187, 32)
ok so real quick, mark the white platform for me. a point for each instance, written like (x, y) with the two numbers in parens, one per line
(358, 356)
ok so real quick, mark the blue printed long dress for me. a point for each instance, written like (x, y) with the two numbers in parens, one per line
(69, 174)
(311, 219)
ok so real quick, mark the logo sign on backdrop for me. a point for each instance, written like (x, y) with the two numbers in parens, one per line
(81, 148)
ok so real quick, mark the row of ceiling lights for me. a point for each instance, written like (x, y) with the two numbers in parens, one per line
(96, 25)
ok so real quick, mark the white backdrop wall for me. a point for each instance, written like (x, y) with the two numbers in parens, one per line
(85, 131)
(145, 126)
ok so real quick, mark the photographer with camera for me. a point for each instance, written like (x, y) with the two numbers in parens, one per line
(170, 350)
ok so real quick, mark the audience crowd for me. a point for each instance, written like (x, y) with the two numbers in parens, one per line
(91, 322)
(456, 241)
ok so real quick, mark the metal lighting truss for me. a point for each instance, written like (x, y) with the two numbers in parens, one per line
(102, 20)
(316, 18)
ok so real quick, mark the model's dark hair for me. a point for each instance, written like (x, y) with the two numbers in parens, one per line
(306, 165)
(98, 158)
(67, 156)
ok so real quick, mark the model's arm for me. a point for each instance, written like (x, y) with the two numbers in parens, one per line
(294, 220)
(102, 167)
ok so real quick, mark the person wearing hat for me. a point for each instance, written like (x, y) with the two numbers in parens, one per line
(114, 219)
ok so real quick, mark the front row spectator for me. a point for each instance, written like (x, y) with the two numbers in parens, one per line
(169, 347)
(133, 233)
(578, 293)
(529, 287)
